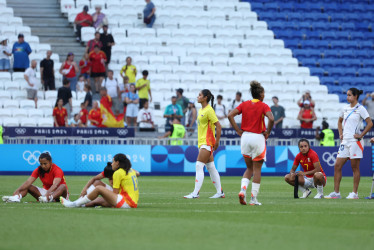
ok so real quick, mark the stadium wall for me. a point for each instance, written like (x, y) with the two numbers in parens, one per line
(162, 160)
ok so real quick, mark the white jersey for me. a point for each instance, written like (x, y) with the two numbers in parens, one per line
(30, 72)
(352, 120)
(145, 117)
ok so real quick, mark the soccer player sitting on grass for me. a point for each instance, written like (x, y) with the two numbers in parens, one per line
(96, 181)
(125, 192)
(52, 177)
(313, 175)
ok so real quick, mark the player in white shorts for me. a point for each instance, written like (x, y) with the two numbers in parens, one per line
(351, 148)
(253, 134)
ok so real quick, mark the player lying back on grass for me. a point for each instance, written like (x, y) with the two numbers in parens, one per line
(52, 177)
(96, 181)
(125, 192)
(313, 175)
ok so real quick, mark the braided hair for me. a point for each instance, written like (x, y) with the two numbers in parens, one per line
(209, 96)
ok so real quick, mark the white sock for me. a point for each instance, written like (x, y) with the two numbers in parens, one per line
(214, 176)
(50, 198)
(90, 189)
(82, 200)
(245, 184)
(199, 177)
(301, 189)
(255, 189)
(320, 189)
(19, 196)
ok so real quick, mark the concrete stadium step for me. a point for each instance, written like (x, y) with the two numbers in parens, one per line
(46, 21)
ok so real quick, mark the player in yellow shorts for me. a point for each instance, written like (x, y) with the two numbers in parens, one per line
(125, 192)
(207, 123)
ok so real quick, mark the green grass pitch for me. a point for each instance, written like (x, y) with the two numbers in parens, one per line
(164, 220)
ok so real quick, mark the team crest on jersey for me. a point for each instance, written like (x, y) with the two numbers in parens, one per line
(309, 159)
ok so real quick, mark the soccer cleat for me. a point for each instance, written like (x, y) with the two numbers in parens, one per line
(5, 198)
(191, 196)
(306, 194)
(352, 196)
(67, 203)
(43, 199)
(254, 201)
(242, 198)
(14, 198)
(333, 195)
(318, 196)
(218, 195)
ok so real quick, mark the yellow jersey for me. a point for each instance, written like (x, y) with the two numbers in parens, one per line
(130, 72)
(127, 185)
(143, 93)
(206, 129)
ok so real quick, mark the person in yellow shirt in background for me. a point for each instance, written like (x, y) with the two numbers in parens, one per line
(125, 192)
(144, 89)
(129, 70)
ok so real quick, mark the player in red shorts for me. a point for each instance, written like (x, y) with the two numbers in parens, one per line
(53, 180)
(253, 134)
(313, 175)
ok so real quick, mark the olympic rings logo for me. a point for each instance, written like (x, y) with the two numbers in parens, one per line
(20, 131)
(287, 132)
(32, 157)
(329, 158)
(122, 131)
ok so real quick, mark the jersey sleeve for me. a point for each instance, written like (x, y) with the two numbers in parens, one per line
(58, 173)
(54, 112)
(363, 113)
(240, 107)
(314, 157)
(297, 160)
(116, 180)
(266, 108)
(341, 114)
(35, 173)
(212, 116)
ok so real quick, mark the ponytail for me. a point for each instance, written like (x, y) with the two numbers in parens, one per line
(356, 92)
(209, 96)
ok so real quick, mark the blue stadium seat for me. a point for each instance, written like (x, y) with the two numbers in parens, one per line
(257, 6)
(343, 44)
(321, 17)
(335, 89)
(335, 71)
(309, 62)
(294, 16)
(361, 54)
(353, 17)
(364, 27)
(292, 44)
(328, 80)
(348, 27)
(315, 35)
(328, 35)
(366, 72)
(338, 17)
(347, 53)
(356, 35)
(368, 63)
(366, 44)
(330, 7)
(303, 25)
(327, 63)
(286, 7)
(342, 35)
(317, 71)
(331, 54)
(271, 6)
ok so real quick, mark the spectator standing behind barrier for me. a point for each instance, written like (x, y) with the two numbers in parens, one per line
(80, 84)
(88, 97)
(183, 102)
(107, 41)
(98, 59)
(149, 14)
(91, 44)
(85, 67)
(132, 100)
(145, 118)
(60, 114)
(235, 103)
(83, 115)
(64, 93)
(307, 115)
(83, 19)
(94, 116)
(47, 72)
(21, 51)
(306, 96)
(175, 131)
(69, 70)
(143, 86)
(278, 112)
(191, 118)
(221, 111)
(129, 70)
(172, 111)
(123, 89)
(5, 54)
(369, 104)
(99, 19)
(326, 137)
(33, 83)
(111, 84)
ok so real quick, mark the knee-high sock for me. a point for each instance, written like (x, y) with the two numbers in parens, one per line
(255, 189)
(82, 200)
(199, 177)
(214, 176)
(244, 185)
(90, 189)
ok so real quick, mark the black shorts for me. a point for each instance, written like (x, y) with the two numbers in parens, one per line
(102, 74)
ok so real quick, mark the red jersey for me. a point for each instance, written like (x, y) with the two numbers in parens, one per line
(60, 115)
(70, 70)
(86, 64)
(253, 114)
(96, 60)
(307, 161)
(92, 43)
(307, 114)
(83, 16)
(83, 116)
(47, 180)
(95, 114)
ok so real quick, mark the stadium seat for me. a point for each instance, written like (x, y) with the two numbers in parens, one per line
(45, 122)
(11, 122)
(51, 95)
(87, 33)
(5, 113)
(35, 113)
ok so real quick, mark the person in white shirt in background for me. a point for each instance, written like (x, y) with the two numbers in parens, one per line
(145, 118)
(238, 100)
(74, 121)
(80, 84)
(33, 83)
(111, 84)
(5, 54)
(221, 111)
(349, 123)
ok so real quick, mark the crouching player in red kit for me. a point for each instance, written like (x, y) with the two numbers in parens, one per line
(52, 177)
(125, 192)
(313, 175)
